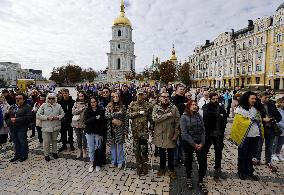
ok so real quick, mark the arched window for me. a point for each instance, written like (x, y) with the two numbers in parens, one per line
(119, 33)
(244, 45)
(279, 38)
(118, 46)
(250, 43)
(118, 64)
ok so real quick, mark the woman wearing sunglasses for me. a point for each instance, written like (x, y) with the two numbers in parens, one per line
(50, 113)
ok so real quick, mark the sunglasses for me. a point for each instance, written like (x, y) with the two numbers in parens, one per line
(51, 98)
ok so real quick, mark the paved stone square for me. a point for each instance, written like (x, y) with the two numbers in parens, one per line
(67, 175)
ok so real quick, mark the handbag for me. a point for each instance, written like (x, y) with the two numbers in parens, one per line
(76, 117)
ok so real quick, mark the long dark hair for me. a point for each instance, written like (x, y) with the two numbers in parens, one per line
(89, 102)
(85, 97)
(244, 101)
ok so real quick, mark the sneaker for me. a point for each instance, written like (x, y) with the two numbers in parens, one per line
(84, 153)
(119, 166)
(161, 172)
(14, 159)
(112, 165)
(280, 157)
(272, 167)
(79, 154)
(98, 168)
(274, 157)
(91, 169)
(255, 162)
(47, 158)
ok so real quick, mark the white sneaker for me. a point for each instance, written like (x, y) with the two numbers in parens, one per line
(280, 157)
(91, 169)
(119, 166)
(98, 168)
(111, 165)
(274, 157)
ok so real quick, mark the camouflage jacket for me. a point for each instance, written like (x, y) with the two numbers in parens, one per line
(139, 125)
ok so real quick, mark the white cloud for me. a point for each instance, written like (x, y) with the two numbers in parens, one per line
(44, 34)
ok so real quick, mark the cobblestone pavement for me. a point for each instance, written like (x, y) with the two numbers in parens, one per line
(67, 175)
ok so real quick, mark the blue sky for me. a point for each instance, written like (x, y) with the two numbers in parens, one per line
(43, 34)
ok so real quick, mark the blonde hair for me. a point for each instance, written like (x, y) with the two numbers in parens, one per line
(279, 101)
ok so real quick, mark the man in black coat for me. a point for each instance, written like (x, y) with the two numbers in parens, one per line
(270, 116)
(215, 120)
(67, 104)
(179, 100)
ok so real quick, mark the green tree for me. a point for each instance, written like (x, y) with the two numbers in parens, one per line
(155, 75)
(167, 71)
(89, 74)
(184, 73)
(130, 75)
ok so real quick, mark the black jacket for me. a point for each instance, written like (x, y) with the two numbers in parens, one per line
(272, 112)
(95, 121)
(179, 101)
(67, 106)
(23, 115)
(214, 123)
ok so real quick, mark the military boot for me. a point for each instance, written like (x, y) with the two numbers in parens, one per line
(145, 169)
(139, 170)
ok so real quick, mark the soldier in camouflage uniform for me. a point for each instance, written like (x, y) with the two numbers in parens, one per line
(140, 113)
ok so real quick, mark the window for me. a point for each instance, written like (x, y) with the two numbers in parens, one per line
(118, 63)
(250, 43)
(279, 38)
(119, 33)
(248, 81)
(278, 53)
(226, 51)
(131, 65)
(277, 68)
(244, 45)
(257, 80)
(258, 67)
(243, 70)
(118, 46)
(249, 68)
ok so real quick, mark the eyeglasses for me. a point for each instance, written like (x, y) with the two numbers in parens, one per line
(51, 98)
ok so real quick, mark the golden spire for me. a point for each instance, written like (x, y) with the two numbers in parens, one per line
(122, 19)
(174, 58)
(122, 8)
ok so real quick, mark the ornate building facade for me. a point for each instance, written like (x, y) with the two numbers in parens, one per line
(121, 59)
(249, 56)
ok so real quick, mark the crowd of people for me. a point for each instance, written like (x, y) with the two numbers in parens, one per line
(180, 121)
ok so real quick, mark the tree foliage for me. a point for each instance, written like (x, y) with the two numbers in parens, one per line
(167, 71)
(184, 73)
(71, 74)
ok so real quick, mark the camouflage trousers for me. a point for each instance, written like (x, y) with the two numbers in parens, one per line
(140, 149)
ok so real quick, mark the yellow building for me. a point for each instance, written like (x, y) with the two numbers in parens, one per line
(275, 51)
(250, 56)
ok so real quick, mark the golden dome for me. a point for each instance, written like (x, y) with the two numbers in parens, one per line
(122, 19)
(173, 58)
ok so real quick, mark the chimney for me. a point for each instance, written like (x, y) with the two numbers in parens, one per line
(250, 24)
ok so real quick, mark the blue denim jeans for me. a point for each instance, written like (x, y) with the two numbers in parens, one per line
(277, 144)
(19, 138)
(117, 154)
(94, 142)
